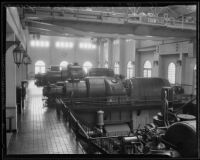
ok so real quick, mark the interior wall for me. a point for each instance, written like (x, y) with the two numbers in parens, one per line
(188, 74)
(116, 53)
(163, 65)
(54, 56)
(10, 73)
(105, 53)
(144, 56)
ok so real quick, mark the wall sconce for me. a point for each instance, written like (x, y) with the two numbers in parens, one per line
(155, 63)
(26, 60)
(179, 62)
(132, 63)
(18, 54)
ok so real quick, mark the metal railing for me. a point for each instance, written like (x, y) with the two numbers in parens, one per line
(105, 143)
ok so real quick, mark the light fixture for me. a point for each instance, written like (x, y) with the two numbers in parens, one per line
(18, 54)
(179, 62)
(155, 62)
(26, 60)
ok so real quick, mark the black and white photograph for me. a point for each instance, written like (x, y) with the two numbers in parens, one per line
(100, 79)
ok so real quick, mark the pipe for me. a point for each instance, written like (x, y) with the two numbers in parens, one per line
(179, 109)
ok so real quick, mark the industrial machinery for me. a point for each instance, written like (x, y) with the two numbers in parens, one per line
(54, 75)
(113, 117)
(101, 72)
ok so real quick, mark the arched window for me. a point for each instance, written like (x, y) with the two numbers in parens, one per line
(130, 69)
(63, 65)
(39, 67)
(171, 73)
(106, 65)
(87, 65)
(116, 68)
(147, 69)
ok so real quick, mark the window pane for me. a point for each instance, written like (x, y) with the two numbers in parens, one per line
(147, 69)
(149, 73)
(106, 65)
(87, 65)
(147, 64)
(130, 69)
(37, 70)
(63, 64)
(116, 68)
(42, 69)
(171, 73)
(39, 67)
(145, 73)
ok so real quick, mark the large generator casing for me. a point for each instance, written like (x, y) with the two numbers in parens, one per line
(183, 136)
(53, 90)
(114, 87)
(147, 89)
(53, 76)
(96, 86)
(101, 72)
(76, 89)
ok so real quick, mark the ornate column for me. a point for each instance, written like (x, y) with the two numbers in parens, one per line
(110, 53)
(122, 55)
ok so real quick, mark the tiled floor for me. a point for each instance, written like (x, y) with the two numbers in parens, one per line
(41, 131)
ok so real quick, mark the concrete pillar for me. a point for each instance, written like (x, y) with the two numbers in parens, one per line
(179, 69)
(155, 69)
(76, 43)
(11, 106)
(131, 53)
(110, 53)
(48, 62)
(122, 53)
(137, 64)
(101, 54)
(105, 53)
(161, 73)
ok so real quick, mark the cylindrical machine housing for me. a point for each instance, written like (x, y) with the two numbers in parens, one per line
(96, 86)
(53, 76)
(76, 89)
(183, 136)
(148, 89)
(100, 119)
(114, 87)
(133, 139)
(57, 90)
(53, 90)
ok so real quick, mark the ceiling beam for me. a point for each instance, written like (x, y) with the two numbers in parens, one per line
(43, 31)
(85, 28)
(51, 29)
(89, 16)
